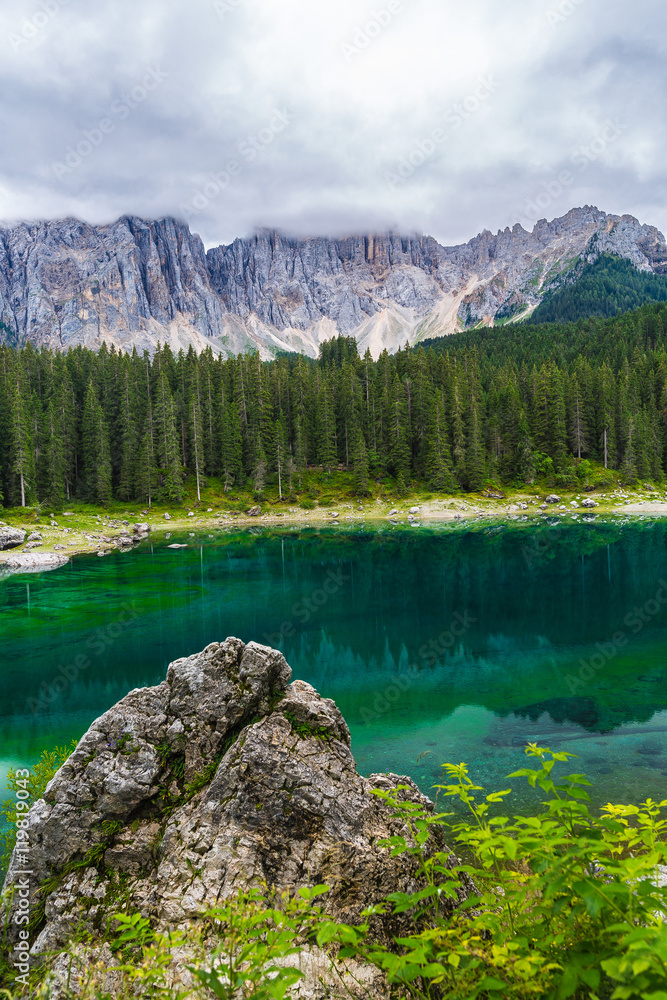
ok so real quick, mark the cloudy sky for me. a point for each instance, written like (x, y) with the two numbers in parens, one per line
(331, 116)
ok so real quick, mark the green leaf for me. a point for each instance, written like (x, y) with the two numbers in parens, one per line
(317, 890)
(491, 983)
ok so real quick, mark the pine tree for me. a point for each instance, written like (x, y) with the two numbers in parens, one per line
(96, 451)
(438, 470)
(146, 474)
(282, 451)
(326, 437)
(578, 428)
(20, 445)
(53, 490)
(232, 448)
(475, 466)
(166, 442)
(360, 462)
(260, 465)
(196, 437)
(127, 433)
(399, 437)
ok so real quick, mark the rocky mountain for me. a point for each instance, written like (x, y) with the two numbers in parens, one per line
(136, 282)
(222, 777)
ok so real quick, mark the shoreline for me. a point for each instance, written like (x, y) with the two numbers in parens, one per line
(101, 533)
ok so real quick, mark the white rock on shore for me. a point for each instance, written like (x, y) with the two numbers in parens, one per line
(11, 537)
(35, 562)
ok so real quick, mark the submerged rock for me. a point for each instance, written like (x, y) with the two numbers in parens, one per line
(223, 776)
(35, 562)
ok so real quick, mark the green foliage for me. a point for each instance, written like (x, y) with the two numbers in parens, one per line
(452, 414)
(563, 904)
(239, 951)
(304, 730)
(560, 904)
(35, 784)
(255, 940)
(608, 286)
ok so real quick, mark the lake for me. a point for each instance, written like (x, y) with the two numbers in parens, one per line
(448, 643)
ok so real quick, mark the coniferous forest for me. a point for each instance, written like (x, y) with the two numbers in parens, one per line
(502, 405)
(606, 287)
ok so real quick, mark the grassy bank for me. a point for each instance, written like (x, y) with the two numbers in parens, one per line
(321, 499)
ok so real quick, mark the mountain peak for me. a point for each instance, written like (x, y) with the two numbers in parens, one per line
(135, 282)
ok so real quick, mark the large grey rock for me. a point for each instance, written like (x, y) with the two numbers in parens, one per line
(35, 562)
(136, 282)
(11, 537)
(223, 776)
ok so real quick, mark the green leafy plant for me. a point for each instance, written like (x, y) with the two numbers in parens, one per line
(565, 904)
(257, 933)
(304, 730)
(35, 784)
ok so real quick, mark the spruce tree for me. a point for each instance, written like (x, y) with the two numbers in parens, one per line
(360, 462)
(146, 474)
(475, 465)
(326, 438)
(166, 442)
(20, 444)
(399, 436)
(438, 469)
(196, 436)
(232, 448)
(53, 489)
(95, 450)
(282, 451)
(128, 440)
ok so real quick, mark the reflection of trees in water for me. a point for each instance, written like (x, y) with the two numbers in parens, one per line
(541, 596)
(566, 584)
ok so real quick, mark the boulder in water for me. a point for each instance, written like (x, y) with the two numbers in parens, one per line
(35, 562)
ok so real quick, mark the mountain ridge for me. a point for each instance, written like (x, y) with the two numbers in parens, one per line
(136, 282)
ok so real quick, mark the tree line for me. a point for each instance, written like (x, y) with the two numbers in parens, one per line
(504, 406)
(608, 286)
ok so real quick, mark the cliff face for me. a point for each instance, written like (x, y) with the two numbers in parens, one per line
(138, 282)
(222, 777)
(66, 283)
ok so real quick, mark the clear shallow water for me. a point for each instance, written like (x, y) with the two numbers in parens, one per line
(438, 644)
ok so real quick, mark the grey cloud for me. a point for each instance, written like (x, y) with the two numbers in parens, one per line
(563, 69)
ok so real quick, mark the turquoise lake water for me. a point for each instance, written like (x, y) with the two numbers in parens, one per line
(450, 643)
